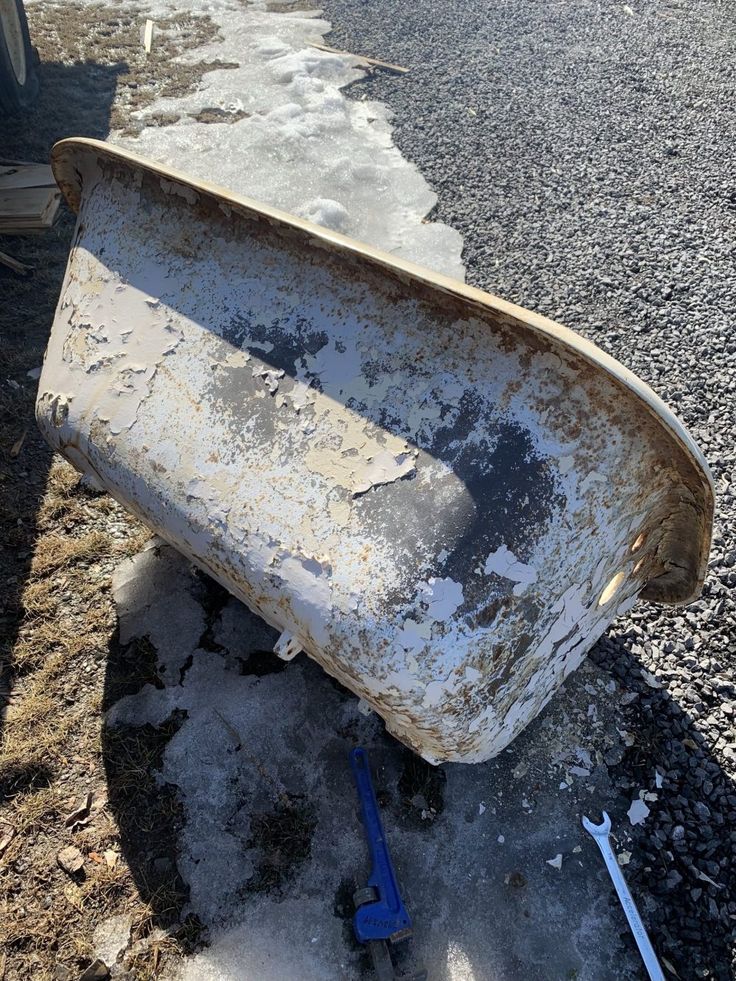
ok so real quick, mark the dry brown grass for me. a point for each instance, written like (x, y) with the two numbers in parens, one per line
(52, 754)
(51, 731)
(57, 551)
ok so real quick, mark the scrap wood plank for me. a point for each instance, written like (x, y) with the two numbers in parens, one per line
(374, 62)
(23, 202)
(29, 197)
(27, 209)
(15, 264)
(148, 36)
(33, 175)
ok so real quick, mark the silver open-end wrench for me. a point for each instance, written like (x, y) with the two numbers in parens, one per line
(600, 835)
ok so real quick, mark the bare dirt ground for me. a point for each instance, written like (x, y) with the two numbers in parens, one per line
(59, 788)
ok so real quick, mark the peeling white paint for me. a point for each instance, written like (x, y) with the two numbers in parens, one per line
(504, 563)
(442, 597)
(270, 376)
(414, 634)
(383, 468)
(592, 478)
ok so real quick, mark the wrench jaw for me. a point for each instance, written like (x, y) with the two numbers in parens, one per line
(392, 957)
(375, 920)
(598, 830)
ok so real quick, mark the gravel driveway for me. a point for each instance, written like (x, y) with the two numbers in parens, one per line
(585, 152)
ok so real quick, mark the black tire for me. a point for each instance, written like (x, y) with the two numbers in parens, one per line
(18, 76)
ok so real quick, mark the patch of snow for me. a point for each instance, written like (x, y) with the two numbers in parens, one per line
(299, 144)
(249, 743)
(330, 214)
(111, 937)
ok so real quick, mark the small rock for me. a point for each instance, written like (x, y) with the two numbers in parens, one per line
(97, 971)
(673, 879)
(614, 755)
(702, 811)
(650, 679)
(579, 771)
(555, 862)
(70, 859)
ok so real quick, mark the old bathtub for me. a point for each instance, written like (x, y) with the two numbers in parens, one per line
(442, 498)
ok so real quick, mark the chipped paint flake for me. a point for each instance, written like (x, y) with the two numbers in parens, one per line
(638, 812)
(270, 376)
(504, 563)
(441, 596)
(383, 468)
(414, 634)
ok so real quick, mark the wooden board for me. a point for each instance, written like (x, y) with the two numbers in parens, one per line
(29, 198)
(35, 175)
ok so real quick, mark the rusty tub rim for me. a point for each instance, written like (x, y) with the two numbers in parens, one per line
(678, 581)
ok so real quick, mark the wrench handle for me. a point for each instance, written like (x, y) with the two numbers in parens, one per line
(632, 913)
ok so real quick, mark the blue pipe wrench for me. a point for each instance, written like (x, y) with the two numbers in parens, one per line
(380, 915)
